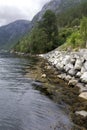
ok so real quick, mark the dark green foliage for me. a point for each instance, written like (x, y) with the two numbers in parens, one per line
(83, 28)
(75, 22)
(63, 34)
(75, 40)
(77, 12)
(23, 44)
(43, 37)
(49, 25)
(38, 41)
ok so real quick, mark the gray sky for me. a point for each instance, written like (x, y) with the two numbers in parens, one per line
(11, 10)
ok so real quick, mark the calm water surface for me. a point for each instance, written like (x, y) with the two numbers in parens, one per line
(21, 106)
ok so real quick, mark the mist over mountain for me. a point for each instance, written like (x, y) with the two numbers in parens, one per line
(11, 33)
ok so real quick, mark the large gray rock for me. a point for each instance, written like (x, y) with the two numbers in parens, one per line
(85, 56)
(81, 87)
(55, 62)
(43, 76)
(73, 82)
(78, 75)
(85, 65)
(78, 64)
(66, 59)
(62, 76)
(68, 66)
(83, 70)
(83, 95)
(73, 60)
(57, 53)
(68, 77)
(59, 66)
(82, 113)
(72, 72)
(84, 77)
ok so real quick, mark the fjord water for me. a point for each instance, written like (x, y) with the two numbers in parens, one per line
(21, 106)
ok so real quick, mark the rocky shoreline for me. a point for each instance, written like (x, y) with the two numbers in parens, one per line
(64, 78)
(59, 90)
(72, 68)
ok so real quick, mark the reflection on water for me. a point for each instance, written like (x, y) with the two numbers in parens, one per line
(22, 107)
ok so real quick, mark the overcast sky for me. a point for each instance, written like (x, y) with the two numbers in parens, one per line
(11, 10)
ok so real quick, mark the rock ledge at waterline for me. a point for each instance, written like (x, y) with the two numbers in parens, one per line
(72, 67)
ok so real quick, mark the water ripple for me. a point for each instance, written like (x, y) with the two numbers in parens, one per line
(22, 107)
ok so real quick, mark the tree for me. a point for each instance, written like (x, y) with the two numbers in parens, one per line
(83, 28)
(38, 41)
(49, 24)
(75, 22)
(43, 37)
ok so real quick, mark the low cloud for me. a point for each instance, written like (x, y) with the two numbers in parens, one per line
(11, 10)
(9, 14)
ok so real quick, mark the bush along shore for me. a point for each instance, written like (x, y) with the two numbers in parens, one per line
(72, 69)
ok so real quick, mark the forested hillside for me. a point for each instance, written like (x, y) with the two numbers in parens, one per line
(65, 25)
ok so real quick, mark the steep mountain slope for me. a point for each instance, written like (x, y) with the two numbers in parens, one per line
(11, 33)
(58, 6)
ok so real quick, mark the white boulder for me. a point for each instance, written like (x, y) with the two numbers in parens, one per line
(78, 75)
(85, 65)
(66, 59)
(73, 82)
(83, 70)
(81, 87)
(78, 64)
(68, 66)
(84, 77)
(83, 95)
(82, 113)
(68, 77)
(72, 72)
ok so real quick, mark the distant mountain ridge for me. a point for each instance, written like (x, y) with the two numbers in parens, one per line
(11, 33)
